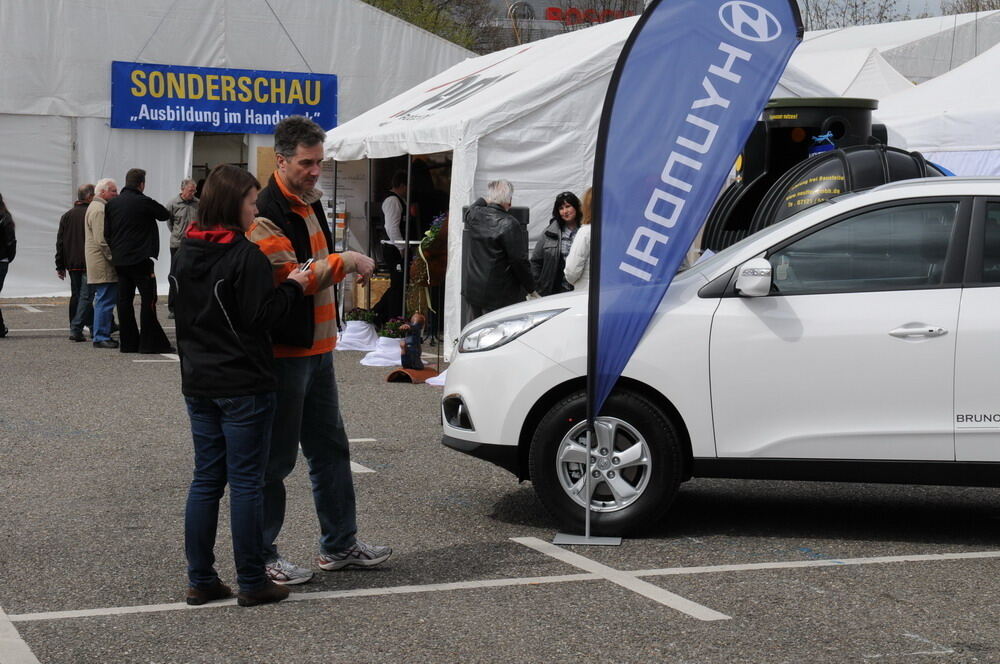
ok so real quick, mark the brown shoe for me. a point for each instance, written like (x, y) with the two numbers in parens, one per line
(270, 592)
(198, 596)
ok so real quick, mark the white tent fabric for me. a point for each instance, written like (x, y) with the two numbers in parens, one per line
(55, 91)
(919, 49)
(953, 119)
(530, 114)
(858, 72)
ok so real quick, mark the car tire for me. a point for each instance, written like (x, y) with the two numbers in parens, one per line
(646, 483)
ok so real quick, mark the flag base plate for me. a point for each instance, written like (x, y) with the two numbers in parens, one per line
(583, 540)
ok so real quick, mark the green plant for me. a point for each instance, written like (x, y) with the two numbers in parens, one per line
(391, 328)
(357, 313)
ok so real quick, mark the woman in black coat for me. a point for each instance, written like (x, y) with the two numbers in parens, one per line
(549, 257)
(8, 247)
(225, 304)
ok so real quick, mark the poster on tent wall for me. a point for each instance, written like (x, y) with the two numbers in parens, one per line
(234, 101)
(687, 89)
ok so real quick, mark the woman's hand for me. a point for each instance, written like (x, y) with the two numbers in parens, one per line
(300, 277)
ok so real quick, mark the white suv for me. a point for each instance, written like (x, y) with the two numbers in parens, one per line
(856, 341)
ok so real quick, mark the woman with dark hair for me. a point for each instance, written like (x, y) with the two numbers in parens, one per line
(8, 247)
(578, 260)
(225, 304)
(549, 257)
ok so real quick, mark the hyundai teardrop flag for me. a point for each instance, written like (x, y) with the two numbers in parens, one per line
(689, 85)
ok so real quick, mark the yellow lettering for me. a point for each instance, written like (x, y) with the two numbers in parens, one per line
(295, 92)
(175, 85)
(212, 87)
(139, 83)
(278, 91)
(228, 88)
(258, 94)
(244, 84)
(156, 84)
(196, 86)
(313, 93)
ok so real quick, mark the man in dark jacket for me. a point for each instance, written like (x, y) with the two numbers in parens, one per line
(131, 232)
(70, 258)
(497, 271)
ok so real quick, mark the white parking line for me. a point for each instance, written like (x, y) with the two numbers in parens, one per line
(623, 579)
(13, 649)
(495, 583)
(32, 309)
(171, 357)
(362, 440)
(358, 468)
(308, 597)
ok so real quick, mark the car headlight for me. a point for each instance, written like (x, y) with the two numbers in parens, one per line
(496, 333)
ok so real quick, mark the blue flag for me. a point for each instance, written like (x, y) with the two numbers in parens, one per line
(689, 85)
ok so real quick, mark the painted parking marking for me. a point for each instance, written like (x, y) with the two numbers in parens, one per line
(13, 649)
(362, 440)
(308, 597)
(499, 583)
(623, 579)
(170, 357)
(358, 468)
(30, 307)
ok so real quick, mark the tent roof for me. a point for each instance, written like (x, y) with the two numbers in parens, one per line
(958, 110)
(57, 53)
(478, 96)
(856, 72)
(919, 49)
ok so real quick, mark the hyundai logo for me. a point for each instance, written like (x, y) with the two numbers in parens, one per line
(749, 21)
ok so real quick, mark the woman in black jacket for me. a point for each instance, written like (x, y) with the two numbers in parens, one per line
(8, 247)
(225, 304)
(549, 257)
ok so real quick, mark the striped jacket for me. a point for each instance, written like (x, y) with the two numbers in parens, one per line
(291, 230)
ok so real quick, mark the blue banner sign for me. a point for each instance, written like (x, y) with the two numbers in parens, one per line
(688, 87)
(235, 101)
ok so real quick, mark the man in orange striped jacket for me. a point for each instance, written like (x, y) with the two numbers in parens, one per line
(292, 230)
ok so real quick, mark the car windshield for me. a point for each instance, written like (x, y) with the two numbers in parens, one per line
(708, 264)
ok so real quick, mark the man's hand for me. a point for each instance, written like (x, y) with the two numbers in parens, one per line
(61, 273)
(363, 265)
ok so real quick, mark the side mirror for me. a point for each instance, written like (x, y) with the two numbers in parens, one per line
(754, 278)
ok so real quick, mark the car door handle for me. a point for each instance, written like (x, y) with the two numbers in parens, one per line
(910, 331)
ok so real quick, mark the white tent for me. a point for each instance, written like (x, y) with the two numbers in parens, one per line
(954, 119)
(919, 49)
(856, 72)
(530, 114)
(55, 91)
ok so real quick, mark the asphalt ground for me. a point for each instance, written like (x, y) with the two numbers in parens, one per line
(94, 463)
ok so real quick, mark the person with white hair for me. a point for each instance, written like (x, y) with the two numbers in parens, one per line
(497, 270)
(101, 275)
(183, 210)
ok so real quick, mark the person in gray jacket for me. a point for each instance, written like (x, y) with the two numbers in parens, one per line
(183, 210)
(497, 271)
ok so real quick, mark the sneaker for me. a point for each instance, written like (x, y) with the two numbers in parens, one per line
(287, 573)
(359, 555)
(109, 343)
(271, 592)
(76, 336)
(198, 596)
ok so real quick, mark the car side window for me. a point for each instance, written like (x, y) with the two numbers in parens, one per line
(991, 245)
(894, 248)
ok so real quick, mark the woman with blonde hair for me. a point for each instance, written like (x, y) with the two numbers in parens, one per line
(578, 260)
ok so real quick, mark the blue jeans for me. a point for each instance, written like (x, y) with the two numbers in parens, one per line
(308, 412)
(81, 311)
(231, 436)
(105, 296)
